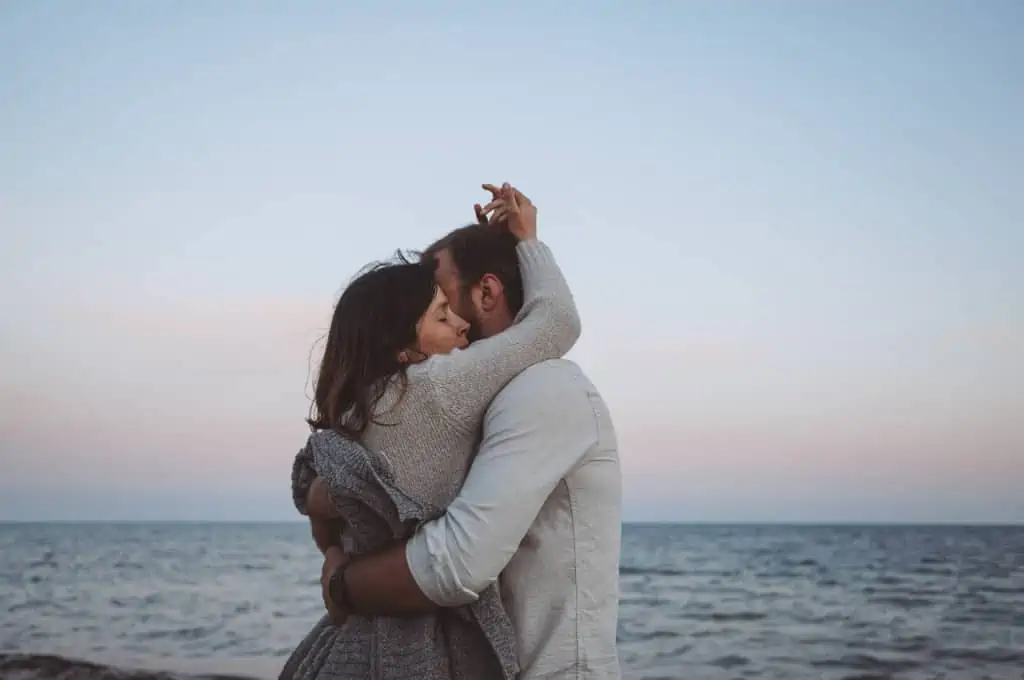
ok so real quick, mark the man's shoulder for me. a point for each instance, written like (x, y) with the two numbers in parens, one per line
(554, 391)
(553, 400)
(561, 376)
(560, 370)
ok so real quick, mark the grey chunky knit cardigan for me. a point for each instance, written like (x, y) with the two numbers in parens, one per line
(471, 642)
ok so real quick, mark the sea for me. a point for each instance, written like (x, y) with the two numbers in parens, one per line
(169, 601)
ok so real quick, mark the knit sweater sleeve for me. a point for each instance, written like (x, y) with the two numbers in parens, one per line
(547, 327)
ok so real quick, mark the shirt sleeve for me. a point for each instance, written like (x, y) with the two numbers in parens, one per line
(536, 432)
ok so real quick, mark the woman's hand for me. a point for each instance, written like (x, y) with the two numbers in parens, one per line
(318, 501)
(511, 206)
(326, 532)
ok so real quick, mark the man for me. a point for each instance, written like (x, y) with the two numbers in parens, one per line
(541, 505)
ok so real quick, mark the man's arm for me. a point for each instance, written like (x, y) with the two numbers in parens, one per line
(537, 430)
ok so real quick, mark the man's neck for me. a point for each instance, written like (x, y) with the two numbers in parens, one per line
(498, 322)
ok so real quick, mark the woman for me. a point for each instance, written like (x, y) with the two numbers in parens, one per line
(399, 378)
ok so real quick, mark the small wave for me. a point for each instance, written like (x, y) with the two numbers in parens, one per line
(801, 562)
(45, 562)
(933, 571)
(903, 601)
(141, 602)
(730, 661)
(780, 575)
(737, 616)
(868, 662)
(653, 571)
(641, 602)
(911, 644)
(999, 590)
(674, 653)
(647, 636)
(989, 655)
(722, 617)
(188, 633)
(29, 605)
(129, 564)
(889, 580)
(52, 667)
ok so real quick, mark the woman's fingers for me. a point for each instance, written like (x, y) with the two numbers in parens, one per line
(507, 201)
(494, 205)
(500, 211)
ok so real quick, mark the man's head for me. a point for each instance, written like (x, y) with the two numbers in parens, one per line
(478, 269)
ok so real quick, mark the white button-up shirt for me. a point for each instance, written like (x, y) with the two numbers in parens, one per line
(541, 506)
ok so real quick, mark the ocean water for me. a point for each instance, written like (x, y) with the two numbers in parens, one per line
(714, 602)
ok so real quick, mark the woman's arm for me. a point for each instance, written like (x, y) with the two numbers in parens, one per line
(547, 327)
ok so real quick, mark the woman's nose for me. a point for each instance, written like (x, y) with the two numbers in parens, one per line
(461, 325)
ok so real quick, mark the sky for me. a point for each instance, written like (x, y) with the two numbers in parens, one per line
(794, 231)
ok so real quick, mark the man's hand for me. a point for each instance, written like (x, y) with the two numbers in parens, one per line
(511, 206)
(335, 561)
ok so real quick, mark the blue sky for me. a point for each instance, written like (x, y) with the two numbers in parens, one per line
(794, 231)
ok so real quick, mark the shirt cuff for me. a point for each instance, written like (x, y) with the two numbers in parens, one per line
(432, 568)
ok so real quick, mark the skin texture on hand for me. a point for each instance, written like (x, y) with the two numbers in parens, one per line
(511, 207)
(326, 532)
(334, 559)
(318, 501)
(324, 524)
(382, 585)
(379, 584)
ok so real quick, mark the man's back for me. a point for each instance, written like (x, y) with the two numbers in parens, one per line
(539, 511)
(561, 587)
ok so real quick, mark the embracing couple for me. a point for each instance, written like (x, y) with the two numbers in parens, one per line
(462, 479)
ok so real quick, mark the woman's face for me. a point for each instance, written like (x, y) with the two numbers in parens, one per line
(440, 330)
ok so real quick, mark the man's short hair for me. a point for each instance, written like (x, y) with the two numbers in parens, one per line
(477, 250)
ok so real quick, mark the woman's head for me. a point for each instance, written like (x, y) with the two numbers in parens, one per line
(392, 315)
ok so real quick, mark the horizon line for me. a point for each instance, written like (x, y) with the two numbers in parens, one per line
(632, 523)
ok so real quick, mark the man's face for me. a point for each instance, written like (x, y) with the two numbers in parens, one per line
(460, 301)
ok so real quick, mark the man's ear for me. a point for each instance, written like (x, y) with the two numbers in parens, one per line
(491, 292)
